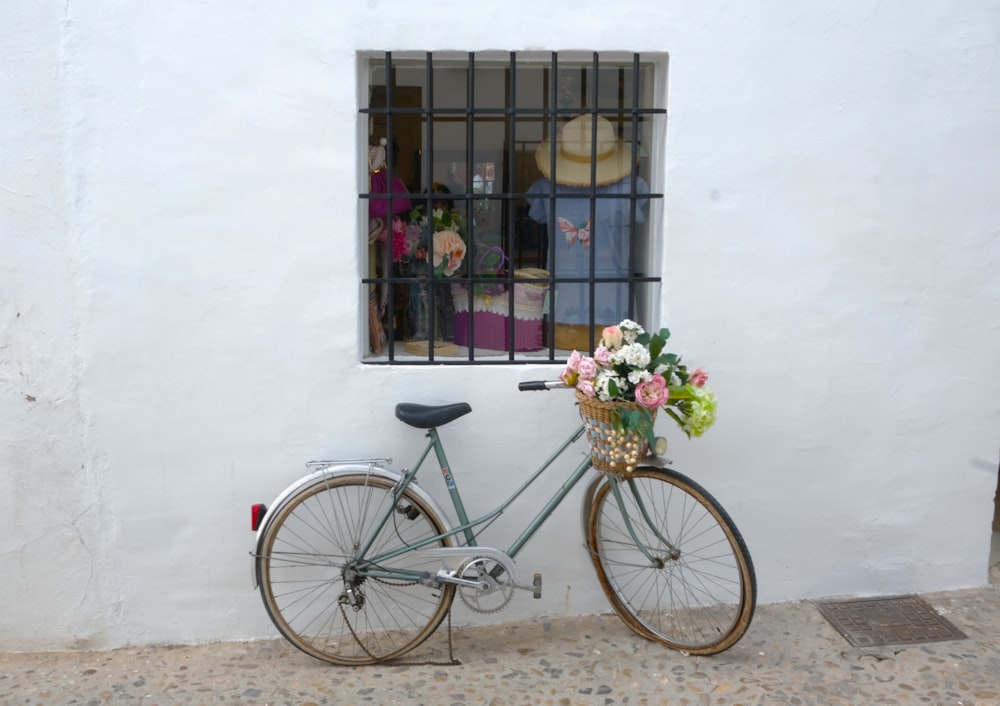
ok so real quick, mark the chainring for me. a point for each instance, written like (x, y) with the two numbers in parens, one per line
(493, 593)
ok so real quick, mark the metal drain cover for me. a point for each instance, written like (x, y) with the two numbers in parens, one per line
(889, 620)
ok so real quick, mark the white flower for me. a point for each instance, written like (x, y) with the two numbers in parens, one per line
(630, 330)
(604, 377)
(633, 354)
(637, 376)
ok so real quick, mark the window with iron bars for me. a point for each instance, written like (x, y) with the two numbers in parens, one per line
(509, 209)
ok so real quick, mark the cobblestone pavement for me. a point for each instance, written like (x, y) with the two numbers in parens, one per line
(790, 655)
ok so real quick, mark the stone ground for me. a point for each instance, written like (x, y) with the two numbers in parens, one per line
(790, 655)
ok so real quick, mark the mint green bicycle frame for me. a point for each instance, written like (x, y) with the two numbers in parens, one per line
(370, 566)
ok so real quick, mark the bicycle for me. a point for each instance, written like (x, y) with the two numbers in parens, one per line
(357, 564)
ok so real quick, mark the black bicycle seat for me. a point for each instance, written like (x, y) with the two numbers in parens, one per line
(424, 416)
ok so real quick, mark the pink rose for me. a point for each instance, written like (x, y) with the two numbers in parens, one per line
(652, 393)
(698, 378)
(573, 362)
(603, 356)
(612, 337)
(449, 250)
(569, 377)
(586, 387)
(588, 368)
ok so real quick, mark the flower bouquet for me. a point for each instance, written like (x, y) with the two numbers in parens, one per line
(435, 244)
(429, 247)
(622, 386)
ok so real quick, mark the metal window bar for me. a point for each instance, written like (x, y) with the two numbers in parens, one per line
(470, 159)
(508, 235)
(508, 197)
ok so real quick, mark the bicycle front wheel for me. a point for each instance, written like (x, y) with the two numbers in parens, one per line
(671, 561)
(321, 596)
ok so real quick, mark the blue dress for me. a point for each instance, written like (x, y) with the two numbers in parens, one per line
(610, 238)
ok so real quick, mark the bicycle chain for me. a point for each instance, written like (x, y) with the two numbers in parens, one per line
(387, 582)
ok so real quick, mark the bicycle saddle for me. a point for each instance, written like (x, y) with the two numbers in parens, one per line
(426, 416)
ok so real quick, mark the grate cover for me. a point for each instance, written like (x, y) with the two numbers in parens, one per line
(890, 620)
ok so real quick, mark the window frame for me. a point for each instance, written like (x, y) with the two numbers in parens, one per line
(643, 287)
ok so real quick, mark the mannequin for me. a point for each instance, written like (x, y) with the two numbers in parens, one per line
(378, 208)
(575, 236)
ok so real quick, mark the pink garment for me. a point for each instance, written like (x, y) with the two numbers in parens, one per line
(379, 207)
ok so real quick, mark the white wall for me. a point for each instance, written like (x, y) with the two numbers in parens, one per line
(179, 307)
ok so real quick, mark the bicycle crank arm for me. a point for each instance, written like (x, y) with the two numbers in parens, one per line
(445, 576)
(454, 557)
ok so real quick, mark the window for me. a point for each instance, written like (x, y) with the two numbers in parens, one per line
(509, 209)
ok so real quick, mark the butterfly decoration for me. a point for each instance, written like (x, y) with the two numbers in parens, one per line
(573, 234)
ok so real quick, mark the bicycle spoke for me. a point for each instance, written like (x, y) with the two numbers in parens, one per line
(688, 582)
(317, 589)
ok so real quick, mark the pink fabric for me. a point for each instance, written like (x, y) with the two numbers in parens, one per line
(379, 207)
(492, 333)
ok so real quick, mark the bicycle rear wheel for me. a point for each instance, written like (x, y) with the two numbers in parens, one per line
(314, 591)
(671, 561)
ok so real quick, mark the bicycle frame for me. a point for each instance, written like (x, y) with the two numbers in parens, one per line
(371, 565)
(465, 525)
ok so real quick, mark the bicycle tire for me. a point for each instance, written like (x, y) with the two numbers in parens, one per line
(307, 550)
(699, 592)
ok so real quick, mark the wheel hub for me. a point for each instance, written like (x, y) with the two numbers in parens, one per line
(352, 595)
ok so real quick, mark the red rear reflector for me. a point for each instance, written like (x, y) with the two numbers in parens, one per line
(256, 515)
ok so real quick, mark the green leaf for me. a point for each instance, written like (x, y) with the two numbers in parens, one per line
(680, 392)
(616, 418)
(639, 421)
(676, 417)
(661, 360)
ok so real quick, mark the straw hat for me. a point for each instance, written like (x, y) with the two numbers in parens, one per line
(573, 153)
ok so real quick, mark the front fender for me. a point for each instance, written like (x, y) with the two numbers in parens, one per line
(324, 474)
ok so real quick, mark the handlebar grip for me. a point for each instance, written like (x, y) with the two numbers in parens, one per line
(536, 385)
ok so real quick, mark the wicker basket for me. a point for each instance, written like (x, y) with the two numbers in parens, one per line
(611, 451)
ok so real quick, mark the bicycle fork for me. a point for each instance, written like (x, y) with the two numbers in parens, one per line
(658, 560)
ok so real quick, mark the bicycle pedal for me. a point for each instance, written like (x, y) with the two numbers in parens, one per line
(537, 585)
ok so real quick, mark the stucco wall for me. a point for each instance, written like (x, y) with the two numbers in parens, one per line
(179, 307)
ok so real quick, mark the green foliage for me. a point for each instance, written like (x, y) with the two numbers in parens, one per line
(639, 421)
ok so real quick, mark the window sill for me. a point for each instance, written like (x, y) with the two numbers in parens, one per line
(451, 353)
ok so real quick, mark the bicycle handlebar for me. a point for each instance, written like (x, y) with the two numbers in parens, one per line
(538, 385)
